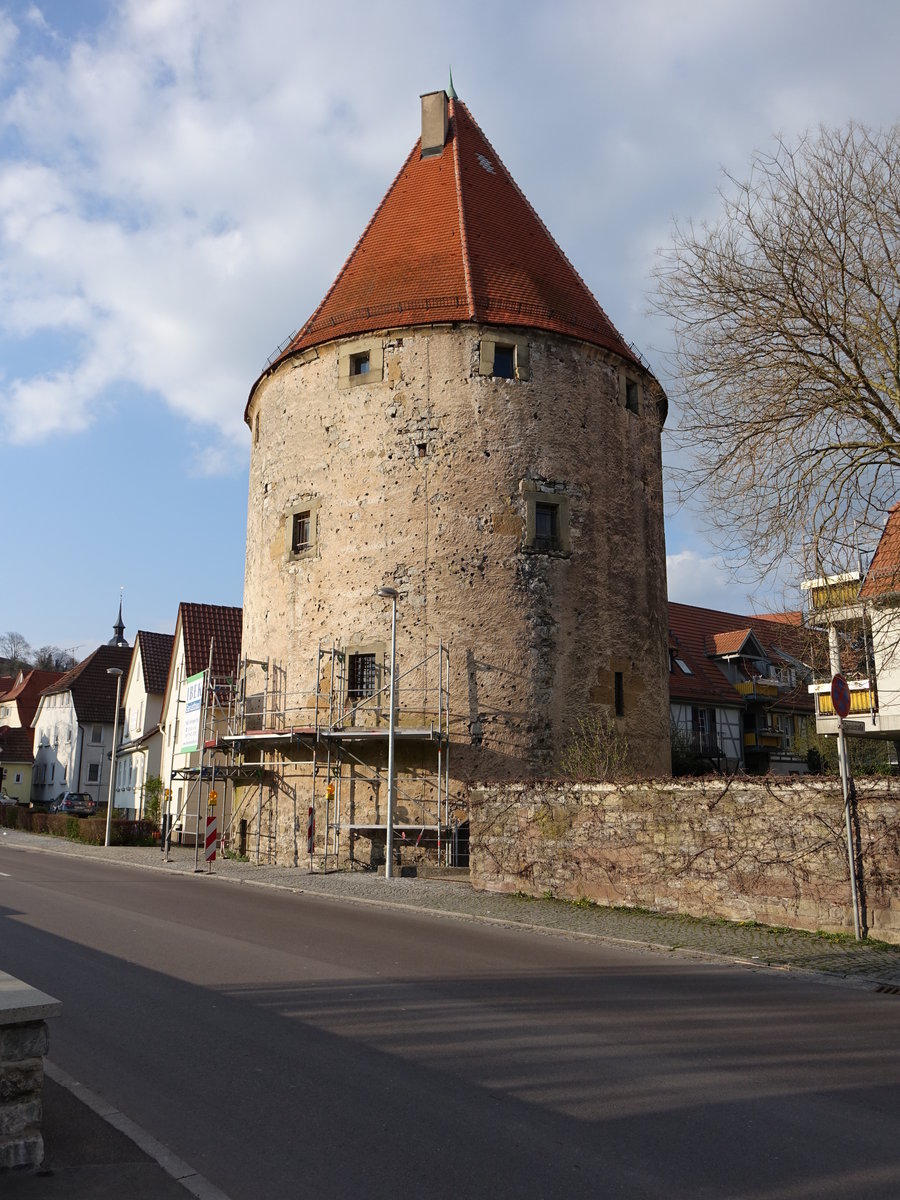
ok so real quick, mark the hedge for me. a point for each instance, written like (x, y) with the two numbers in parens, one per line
(91, 830)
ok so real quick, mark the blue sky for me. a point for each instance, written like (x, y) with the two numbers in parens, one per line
(180, 180)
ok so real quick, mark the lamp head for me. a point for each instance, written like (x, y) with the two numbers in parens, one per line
(389, 593)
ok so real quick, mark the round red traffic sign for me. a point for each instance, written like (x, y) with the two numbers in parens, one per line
(840, 696)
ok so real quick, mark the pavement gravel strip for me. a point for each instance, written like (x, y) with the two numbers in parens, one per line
(870, 964)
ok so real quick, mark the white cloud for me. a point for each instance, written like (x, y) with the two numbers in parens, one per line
(179, 186)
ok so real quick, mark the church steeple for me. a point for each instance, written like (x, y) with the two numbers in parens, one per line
(118, 629)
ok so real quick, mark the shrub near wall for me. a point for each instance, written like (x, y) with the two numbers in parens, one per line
(91, 830)
(764, 850)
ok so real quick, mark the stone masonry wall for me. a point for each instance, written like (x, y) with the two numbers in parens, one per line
(762, 850)
(22, 1050)
(420, 476)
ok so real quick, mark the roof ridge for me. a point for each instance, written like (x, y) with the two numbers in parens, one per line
(310, 321)
(463, 235)
(553, 242)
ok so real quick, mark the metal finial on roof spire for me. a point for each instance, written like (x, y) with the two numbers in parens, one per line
(118, 638)
(451, 90)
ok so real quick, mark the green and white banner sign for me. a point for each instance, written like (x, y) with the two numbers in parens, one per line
(193, 707)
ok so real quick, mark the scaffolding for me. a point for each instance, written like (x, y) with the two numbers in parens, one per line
(334, 735)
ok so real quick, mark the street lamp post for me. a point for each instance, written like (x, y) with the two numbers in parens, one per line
(391, 594)
(117, 671)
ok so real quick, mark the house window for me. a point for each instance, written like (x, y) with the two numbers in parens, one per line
(619, 685)
(301, 527)
(93, 772)
(17, 778)
(504, 361)
(546, 520)
(546, 526)
(301, 533)
(362, 362)
(506, 358)
(96, 735)
(362, 677)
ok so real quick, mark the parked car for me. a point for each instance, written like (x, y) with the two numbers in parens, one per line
(76, 804)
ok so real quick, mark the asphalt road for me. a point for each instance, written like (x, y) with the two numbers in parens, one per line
(290, 1046)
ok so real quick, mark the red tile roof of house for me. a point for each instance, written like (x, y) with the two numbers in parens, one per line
(729, 642)
(211, 624)
(156, 652)
(16, 745)
(883, 575)
(27, 692)
(455, 239)
(699, 632)
(6, 682)
(93, 689)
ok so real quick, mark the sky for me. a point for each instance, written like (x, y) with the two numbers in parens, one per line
(181, 180)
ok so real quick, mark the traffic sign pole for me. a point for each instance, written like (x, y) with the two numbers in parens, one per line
(840, 698)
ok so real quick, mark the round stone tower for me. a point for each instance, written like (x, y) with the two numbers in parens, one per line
(458, 421)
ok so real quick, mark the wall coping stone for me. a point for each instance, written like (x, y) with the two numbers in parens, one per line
(21, 1003)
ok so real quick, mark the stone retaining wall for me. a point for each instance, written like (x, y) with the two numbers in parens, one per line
(750, 850)
(24, 1041)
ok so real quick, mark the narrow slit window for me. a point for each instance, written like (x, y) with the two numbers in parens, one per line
(301, 535)
(620, 693)
(632, 401)
(546, 526)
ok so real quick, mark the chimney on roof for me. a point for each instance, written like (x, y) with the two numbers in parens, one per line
(435, 121)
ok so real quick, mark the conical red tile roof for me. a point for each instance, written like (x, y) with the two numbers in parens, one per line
(455, 239)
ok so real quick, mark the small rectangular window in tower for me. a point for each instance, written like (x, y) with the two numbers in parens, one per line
(546, 526)
(620, 694)
(632, 396)
(301, 534)
(359, 363)
(362, 677)
(504, 361)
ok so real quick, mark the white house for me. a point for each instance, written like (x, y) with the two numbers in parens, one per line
(863, 616)
(205, 657)
(139, 756)
(73, 728)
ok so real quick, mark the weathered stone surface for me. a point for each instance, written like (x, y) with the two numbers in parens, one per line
(424, 479)
(19, 1116)
(764, 850)
(25, 1150)
(22, 1078)
(24, 1041)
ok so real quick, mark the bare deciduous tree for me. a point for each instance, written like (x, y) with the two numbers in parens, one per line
(15, 650)
(53, 658)
(787, 319)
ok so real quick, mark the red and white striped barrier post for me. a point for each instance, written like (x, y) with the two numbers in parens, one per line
(212, 829)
